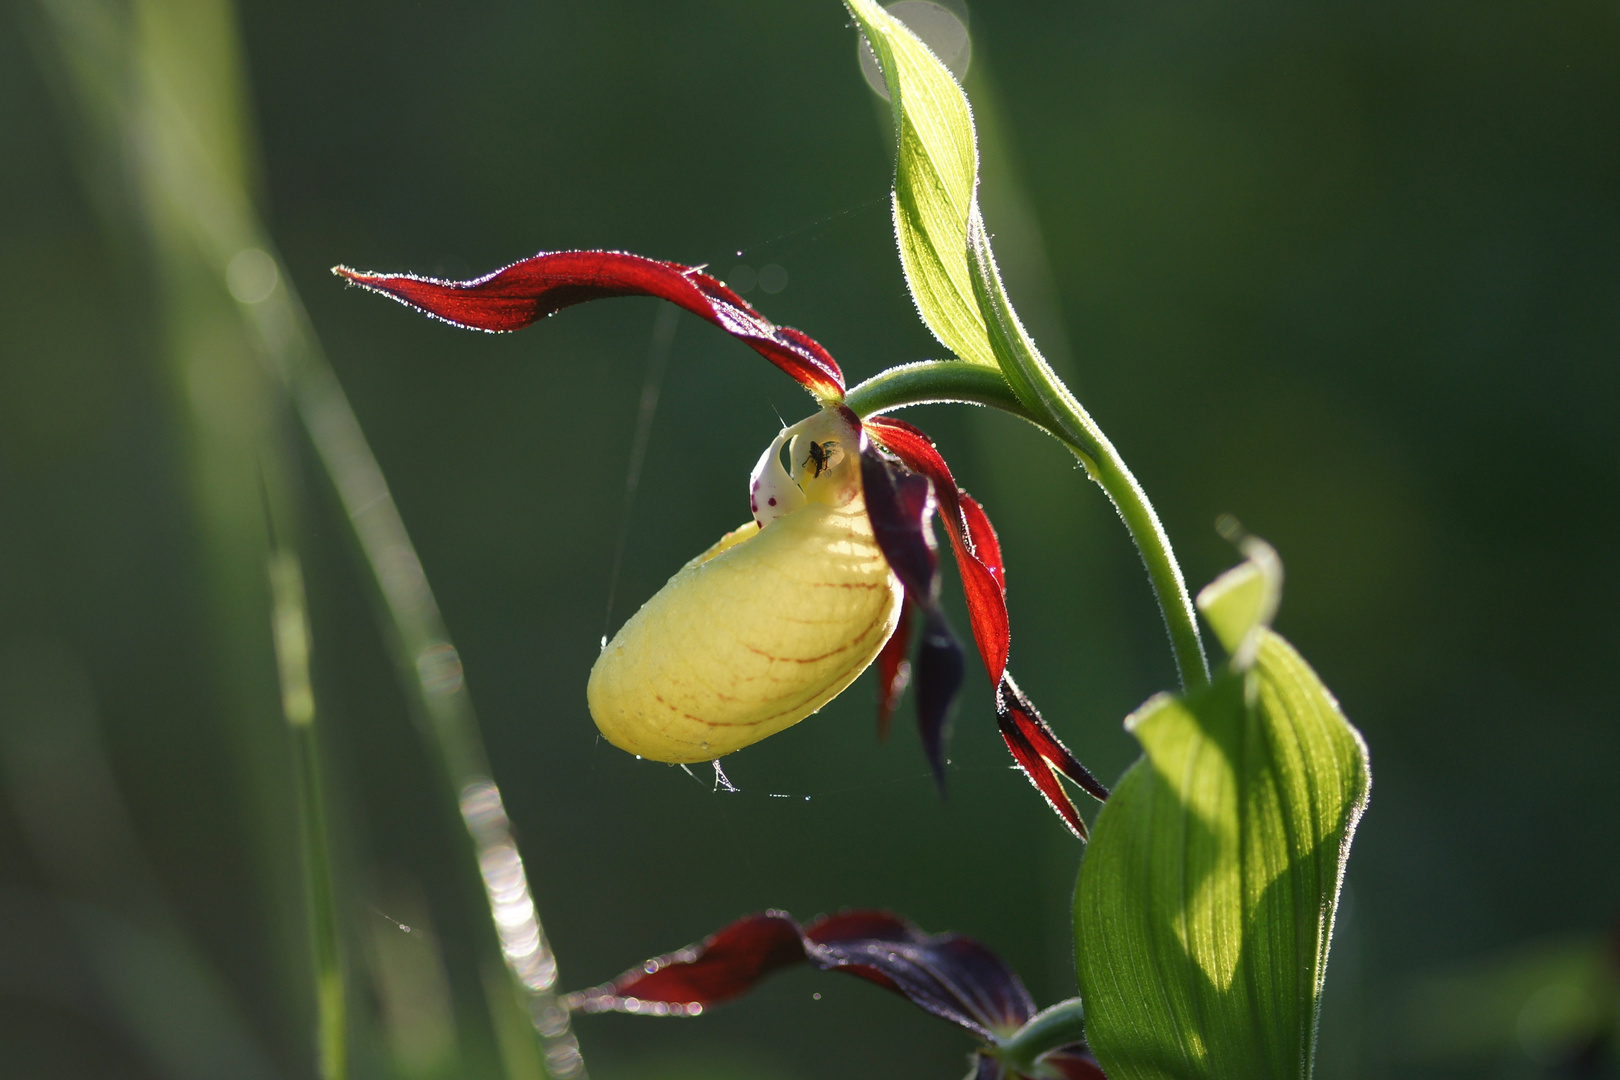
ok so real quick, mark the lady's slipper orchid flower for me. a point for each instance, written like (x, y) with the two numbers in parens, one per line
(951, 976)
(836, 568)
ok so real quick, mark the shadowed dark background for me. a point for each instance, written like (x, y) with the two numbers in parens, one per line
(1350, 272)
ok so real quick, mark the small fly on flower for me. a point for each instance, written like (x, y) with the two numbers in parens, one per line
(820, 457)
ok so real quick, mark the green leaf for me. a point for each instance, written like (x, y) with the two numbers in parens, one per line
(1240, 604)
(1205, 905)
(936, 177)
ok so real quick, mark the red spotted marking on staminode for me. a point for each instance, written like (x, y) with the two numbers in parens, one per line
(515, 296)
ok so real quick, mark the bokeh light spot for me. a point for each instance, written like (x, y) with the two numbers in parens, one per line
(251, 275)
(941, 29)
(773, 278)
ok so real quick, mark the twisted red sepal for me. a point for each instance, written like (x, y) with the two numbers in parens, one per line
(515, 296)
(1041, 755)
(978, 552)
(951, 976)
(1037, 750)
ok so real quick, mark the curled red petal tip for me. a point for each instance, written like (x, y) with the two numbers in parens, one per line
(1042, 756)
(530, 289)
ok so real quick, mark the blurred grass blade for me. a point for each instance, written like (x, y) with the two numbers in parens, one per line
(158, 91)
(936, 174)
(1205, 905)
(290, 631)
(149, 979)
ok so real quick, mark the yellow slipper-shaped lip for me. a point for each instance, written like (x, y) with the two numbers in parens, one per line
(765, 627)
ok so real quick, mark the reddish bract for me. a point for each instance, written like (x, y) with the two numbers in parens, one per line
(517, 295)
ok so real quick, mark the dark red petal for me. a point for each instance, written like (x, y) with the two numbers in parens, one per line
(515, 296)
(894, 670)
(1041, 755)
(987, 610)
(722, 967)
(1072, 1062)
(857, 924)
(919, 454)
(951, 976)
(900, 506)
(978, 553)
(986, 545)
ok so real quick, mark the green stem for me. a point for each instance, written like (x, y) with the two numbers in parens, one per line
(1064, 1024)
(933, 382)
(1108, 469)
(290, 624)
(937, 381)
(1026, 386)
(1054, 407)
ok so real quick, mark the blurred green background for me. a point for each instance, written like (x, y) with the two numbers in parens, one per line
(1350, 272)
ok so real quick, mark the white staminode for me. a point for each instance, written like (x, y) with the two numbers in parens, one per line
(771, 491)
(824, 450)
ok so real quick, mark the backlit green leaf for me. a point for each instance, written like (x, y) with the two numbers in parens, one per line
(936, 176)
(1205, 905)
(1240, 604)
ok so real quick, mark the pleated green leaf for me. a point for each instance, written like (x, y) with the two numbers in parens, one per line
(1205, 906)
(936, 177)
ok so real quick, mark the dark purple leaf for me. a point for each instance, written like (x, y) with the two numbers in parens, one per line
(951, 976)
